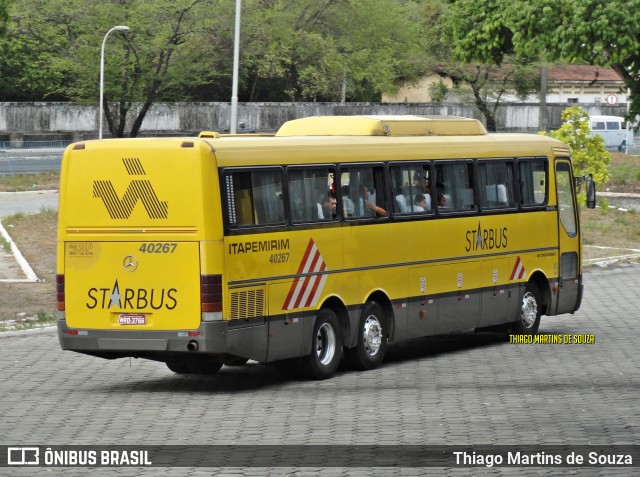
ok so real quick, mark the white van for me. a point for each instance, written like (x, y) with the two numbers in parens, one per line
(613, 129)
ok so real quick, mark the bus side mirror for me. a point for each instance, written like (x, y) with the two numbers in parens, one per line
(591, 189)
(591, 194)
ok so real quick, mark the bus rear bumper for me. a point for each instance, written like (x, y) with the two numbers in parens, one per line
(212, 339)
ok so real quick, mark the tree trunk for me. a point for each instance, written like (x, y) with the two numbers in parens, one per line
(482, 105)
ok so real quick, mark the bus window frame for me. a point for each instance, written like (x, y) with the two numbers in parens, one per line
(402, 216)
(515, 187)
(445, 211)
(545, 204)
(385, 186)
(313, 223)
(235, 229)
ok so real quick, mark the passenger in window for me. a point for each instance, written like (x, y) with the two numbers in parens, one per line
(420, 204)
(329, 206)
(442, 200)
(422, 184)
(348, 207)
(369, 205)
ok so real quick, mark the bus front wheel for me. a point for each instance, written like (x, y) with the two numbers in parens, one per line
(530, 311)
(372, 339)
(326, 347)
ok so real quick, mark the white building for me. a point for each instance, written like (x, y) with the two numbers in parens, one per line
(571, 84)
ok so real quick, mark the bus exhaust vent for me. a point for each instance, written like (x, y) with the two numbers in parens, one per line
(247, 304)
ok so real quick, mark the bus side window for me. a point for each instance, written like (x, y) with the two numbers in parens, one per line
(255, 198)
(495, 182)
(367, 190)
(533, 182)
(454, 186)
(312, 196)
(408, 183)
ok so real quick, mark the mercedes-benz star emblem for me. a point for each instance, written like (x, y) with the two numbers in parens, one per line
(130, 263)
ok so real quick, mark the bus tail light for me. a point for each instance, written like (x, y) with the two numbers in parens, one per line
(211, 297)
(60, 292)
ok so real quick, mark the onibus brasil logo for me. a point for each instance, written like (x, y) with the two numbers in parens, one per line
(137, 190)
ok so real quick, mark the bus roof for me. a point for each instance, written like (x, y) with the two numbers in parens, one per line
(237, 151)
(382, 126)
(358, 139)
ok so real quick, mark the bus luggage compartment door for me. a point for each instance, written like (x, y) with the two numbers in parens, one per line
(132, 285)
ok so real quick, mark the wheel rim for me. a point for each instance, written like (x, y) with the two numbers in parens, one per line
(372, 335)
(326, 343)
(529, 313)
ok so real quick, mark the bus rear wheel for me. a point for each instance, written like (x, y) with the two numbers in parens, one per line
(193, 365)
(372, 339)
(530, 312)
(326, 347)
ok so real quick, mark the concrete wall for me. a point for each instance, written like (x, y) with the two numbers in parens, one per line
(47, 121)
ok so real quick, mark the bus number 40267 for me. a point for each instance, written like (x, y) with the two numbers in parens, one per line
(158, 247)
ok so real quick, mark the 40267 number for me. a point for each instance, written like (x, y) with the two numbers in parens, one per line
(158, 247)
(279, 258)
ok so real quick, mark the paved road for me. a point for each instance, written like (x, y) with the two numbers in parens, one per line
(28, 202)
(463, 389)
(27, 162)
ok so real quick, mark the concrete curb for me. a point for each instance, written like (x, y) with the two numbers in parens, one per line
(31, 331)
(24, 265)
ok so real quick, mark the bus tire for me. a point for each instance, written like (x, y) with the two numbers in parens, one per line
(529, 313)
(326, 347)
(193, 365)
(372, 339)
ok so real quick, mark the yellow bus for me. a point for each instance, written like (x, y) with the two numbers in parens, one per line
(325, 241)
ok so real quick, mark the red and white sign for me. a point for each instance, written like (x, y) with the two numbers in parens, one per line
(306, 289)
(518, 270)
(612, 99)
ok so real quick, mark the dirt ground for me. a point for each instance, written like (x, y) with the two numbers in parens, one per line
(35, 236)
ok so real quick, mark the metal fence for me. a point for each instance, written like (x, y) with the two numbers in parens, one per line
(24, 157)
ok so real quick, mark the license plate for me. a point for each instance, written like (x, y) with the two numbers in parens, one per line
(132, 319)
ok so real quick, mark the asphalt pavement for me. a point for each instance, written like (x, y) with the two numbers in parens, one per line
(465, 389)
(29, 202)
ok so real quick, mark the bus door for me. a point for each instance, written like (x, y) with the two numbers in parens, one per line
(569, 239)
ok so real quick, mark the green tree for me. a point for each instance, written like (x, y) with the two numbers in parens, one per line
(25, 73)
(4, 15)
(483, 81)
(589, 153)
(601, 33)
(159, 58)
(329, 50)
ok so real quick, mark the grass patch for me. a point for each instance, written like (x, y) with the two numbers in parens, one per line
(624, 174)
(35, 236)
(5, 244)
(610, 228)
(42, 319)
(24, 182)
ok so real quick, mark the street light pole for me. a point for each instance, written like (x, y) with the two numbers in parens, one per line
(236, 61)
(104, 42)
